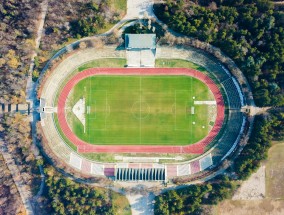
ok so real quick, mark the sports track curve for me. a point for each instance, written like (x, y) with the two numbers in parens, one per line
(84, 147)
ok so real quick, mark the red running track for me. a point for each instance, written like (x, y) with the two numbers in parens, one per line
(85, 147)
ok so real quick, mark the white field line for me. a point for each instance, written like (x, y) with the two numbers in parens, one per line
(192, 110)
(205, 102)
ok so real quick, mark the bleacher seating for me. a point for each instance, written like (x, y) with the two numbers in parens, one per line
(183, 169)
(97, 169)
(229, 136)
(140, 174)
(171, 171)
(75, 161)
(217, 71)
(194, 166)
(86, 166)
(205, 162)
(233, 94)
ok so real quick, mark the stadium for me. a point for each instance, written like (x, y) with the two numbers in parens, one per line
(141, 113)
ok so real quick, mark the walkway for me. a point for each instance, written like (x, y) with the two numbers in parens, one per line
(30, 88)
(141, 204)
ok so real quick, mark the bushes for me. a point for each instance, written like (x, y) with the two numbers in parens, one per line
(63, 196)
(189, 200)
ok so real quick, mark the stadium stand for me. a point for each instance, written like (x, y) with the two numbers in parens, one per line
(230, 135)
(237, 140)
(86, 166)
(140, 174)
(239, 91)
(148, 58)
(59, 147)
(97, 169)
(171, 170)
(195, 166)
(109, 170)
(183, 169)
(75, 161)
(233, 94)
(133, 58)
(205, 162)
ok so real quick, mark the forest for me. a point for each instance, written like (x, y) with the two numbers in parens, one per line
(250, 32)
(17, 32)
(64, 196)
(10, 200)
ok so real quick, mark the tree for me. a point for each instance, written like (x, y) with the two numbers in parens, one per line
(35, 75)
(2, 62)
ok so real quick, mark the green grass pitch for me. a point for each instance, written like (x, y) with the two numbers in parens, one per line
(141, 110)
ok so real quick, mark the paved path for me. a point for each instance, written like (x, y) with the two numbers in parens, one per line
(42, 183)
(18, 180)
(30, 88)
(141, 204)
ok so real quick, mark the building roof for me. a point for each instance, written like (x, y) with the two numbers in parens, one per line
(140, 41)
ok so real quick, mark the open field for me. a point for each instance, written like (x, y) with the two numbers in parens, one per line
(141, 110)
(250, 207)
(275, 172)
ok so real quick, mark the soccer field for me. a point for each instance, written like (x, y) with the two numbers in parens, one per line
(141, 110)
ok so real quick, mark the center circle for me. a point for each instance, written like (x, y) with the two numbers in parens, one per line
(140, 110)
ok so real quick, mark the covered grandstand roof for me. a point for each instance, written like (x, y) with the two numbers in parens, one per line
(140, 41)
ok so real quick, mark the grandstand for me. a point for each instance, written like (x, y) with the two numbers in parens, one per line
(183, 169)
(234, 98)
(140, 50)
(140, 174)
(234, 125)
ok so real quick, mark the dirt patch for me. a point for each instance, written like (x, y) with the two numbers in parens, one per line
(253, 188)
(252, 207)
